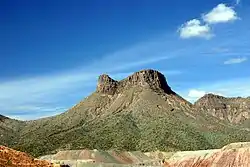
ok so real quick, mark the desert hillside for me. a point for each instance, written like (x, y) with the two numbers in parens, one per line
(138, 113)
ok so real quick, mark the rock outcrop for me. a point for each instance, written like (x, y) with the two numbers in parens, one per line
(145, 78)
(106, 85)
(234, 110)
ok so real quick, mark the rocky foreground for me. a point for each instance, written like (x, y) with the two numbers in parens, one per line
(12, 158)
(232, 155)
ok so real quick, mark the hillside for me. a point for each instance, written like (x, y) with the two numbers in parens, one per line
(9, 130)
(140, 112)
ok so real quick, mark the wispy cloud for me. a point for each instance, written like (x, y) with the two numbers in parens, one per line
(40, 96)
(238, 2)
(220, 50)
(235, 60)
(30, 112)
(202, 27)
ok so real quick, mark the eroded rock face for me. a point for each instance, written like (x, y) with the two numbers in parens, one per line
(146, 78)
(234, 110)
(106, 85)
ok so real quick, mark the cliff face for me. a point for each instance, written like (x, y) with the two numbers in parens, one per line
(234, 110)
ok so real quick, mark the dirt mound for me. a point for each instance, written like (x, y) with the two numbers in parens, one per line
(12, 158)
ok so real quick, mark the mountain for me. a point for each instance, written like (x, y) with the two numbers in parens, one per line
(233, 110)
(140, 112)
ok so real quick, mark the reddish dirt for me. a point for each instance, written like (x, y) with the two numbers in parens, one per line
(12, 158)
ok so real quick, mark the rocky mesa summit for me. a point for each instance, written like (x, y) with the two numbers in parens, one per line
(146, 78)
(138, 113)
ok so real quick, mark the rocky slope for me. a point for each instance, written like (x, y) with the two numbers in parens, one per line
(233, 110)
(140, 112)
(12, 158)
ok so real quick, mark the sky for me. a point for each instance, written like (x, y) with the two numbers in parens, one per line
(52, 52)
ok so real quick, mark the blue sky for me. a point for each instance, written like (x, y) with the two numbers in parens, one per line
(52, 52)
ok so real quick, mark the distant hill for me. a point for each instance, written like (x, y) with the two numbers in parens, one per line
(140, 112)
(233, 110)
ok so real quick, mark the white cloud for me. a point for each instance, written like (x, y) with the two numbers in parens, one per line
(235, 60)
(193, 93)
(197, 28)
(194, 28)
(220, 14)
